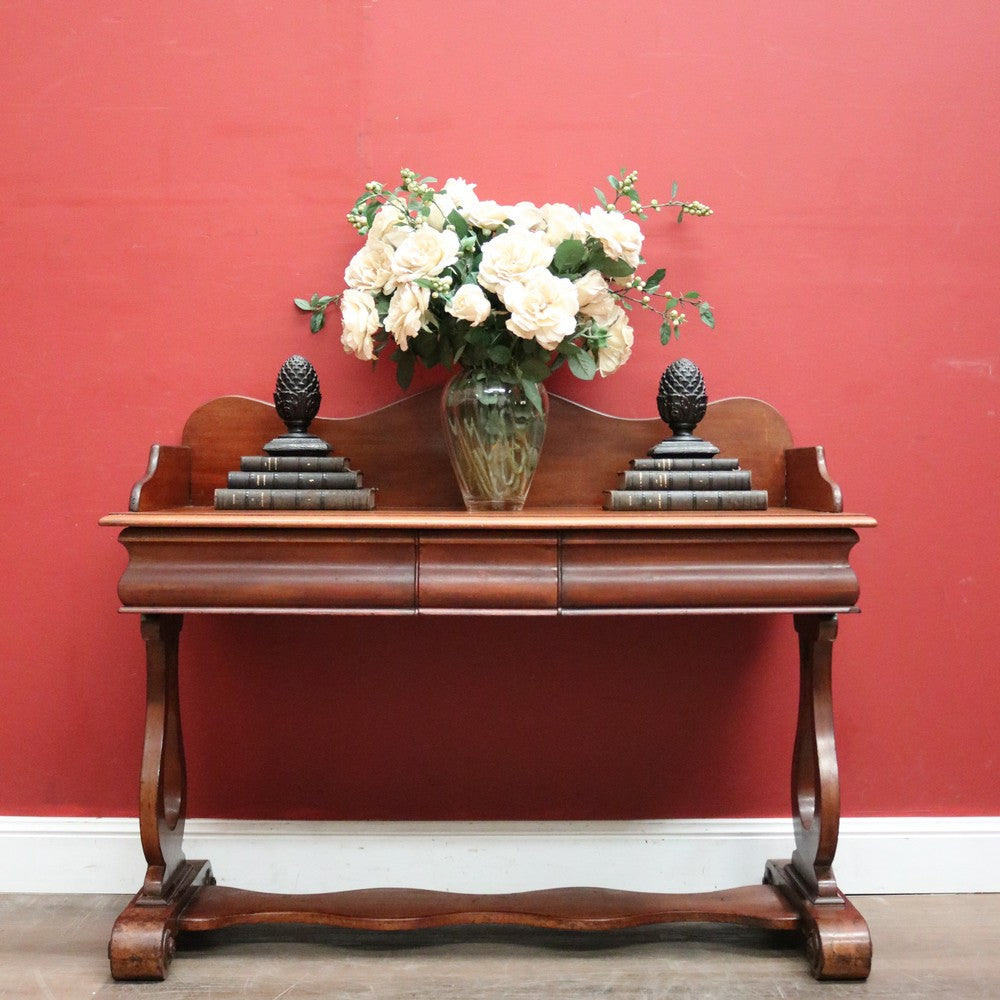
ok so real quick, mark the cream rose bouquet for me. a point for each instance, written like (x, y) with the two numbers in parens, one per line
(447, 278)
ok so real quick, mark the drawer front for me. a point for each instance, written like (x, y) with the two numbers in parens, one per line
(462, 571)
(708, 569)
(280, 570)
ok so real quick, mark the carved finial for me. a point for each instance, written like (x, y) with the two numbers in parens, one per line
(296, 400)
(682, 402)
(296, 393)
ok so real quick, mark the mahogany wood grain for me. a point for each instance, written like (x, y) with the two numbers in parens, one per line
(468, 571)
(144, 937)
(707, 569)
(579, 909)
(420, 553)
(349, 570)
(808, 484)
(215, 567)
(167, 482)
(400, 448)
(163, 786)
(542, 518)
(837, 940)
(815, 780)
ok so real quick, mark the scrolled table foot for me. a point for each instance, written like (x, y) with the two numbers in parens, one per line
(144, 937)
(140, 949)
(838, 944)
(839, 948)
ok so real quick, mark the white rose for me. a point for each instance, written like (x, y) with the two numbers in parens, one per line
(542, 307)
(618, 348)
(371, 268)
(425, 252)
(511, 254)
(486, 214)
(590, 287)
(470, 303)
(441, 207)
(455, 195)
(596, 299)
(390, 226)
(407, 312)
(524, 213)
(360, 321)
(562, 223)
(461, 192)
(620, 237)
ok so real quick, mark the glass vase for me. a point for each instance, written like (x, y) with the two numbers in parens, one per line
(494, 434)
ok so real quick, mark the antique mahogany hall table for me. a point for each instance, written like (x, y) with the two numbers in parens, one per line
(420, 552)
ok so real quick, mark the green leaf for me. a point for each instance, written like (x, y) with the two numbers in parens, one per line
(608, 267)
(653, 281)
(569, 256)
(478, 337)
(499, 354)
(405, 362)
(303, 304)
(705, 312)
(583, 365)
(691, 295)
(531, 391)
(445, 358)
(680, 215)
(533, 370)
(673, 191)
(666, 331)
(671, 303)
(458, 221)
(600, 197)
(316, 322)
(614, 182)
(425, 344)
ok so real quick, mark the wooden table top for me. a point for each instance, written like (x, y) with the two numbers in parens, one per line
(537, 519)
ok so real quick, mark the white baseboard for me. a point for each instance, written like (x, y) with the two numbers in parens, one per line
(879, 855)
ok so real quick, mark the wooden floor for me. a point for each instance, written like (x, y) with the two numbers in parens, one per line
(53, 946)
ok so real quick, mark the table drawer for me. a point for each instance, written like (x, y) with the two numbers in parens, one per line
(462, 571)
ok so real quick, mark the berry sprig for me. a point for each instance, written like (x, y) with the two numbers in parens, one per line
(623, 187)
(636, 291)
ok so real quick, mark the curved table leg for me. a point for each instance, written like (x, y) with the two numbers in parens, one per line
(838, 943)
(142, 941)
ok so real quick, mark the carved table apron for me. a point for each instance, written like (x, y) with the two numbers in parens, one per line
(546, 561)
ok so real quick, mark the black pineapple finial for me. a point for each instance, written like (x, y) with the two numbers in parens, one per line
(682, 402)
(296, 400)
(296, 393)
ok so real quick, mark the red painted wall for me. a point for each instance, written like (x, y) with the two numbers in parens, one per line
(171, 175)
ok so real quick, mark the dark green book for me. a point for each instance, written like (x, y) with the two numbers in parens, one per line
(684, 464)
(295, 480)
(713, 479)
(668, 500)
(293, 463)
(264, 499)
